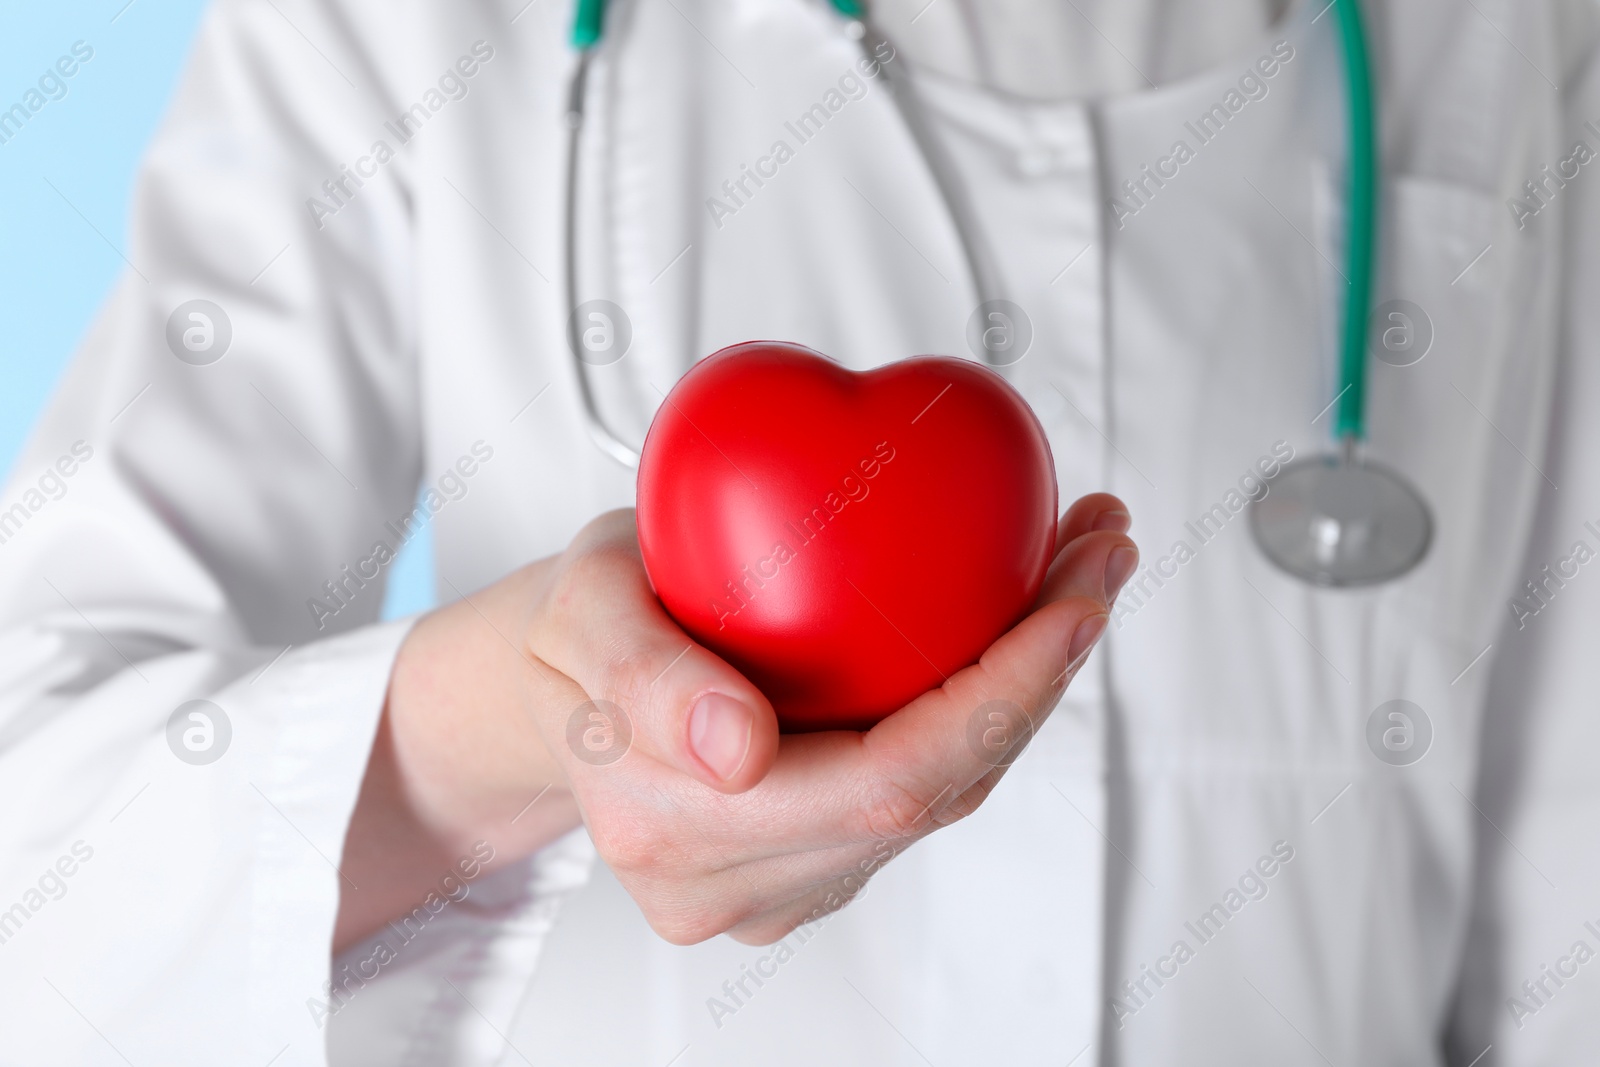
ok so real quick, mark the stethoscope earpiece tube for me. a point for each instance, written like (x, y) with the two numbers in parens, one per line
(608, 442)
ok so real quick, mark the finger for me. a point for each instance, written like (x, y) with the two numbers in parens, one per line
(1097, 511)
(833, 788)
(937, 748)
(603, 627)
(929, 746)
(1075, 572)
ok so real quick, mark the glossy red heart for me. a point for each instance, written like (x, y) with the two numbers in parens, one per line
(846, 540)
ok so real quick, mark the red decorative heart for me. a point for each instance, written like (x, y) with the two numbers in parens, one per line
(846, 540)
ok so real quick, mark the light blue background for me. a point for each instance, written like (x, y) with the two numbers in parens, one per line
(55, 270)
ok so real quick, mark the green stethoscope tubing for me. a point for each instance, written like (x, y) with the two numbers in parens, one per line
(586, 24)
(588, 27)
(1362, 222)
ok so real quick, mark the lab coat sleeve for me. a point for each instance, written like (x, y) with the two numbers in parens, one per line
(162, 536)
(1530, 985)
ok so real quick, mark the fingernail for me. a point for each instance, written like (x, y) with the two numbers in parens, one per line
(1120, 562)
(1119, 521)
(719, 733)
(1083, 639)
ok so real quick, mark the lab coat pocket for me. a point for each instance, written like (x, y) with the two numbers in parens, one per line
(1458, 390)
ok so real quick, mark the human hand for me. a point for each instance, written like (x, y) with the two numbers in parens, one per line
(711, 821)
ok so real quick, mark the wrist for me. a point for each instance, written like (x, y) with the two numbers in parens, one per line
(457, 760)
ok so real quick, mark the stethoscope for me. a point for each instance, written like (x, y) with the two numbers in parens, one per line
(1336, 519)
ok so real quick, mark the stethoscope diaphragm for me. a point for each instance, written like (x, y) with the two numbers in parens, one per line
(1337, 520)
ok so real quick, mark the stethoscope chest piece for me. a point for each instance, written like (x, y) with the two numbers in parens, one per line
(1339, 521)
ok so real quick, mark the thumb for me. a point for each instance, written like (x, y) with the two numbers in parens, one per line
(650, 687)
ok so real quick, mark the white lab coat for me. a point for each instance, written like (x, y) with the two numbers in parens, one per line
(1223, 723)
